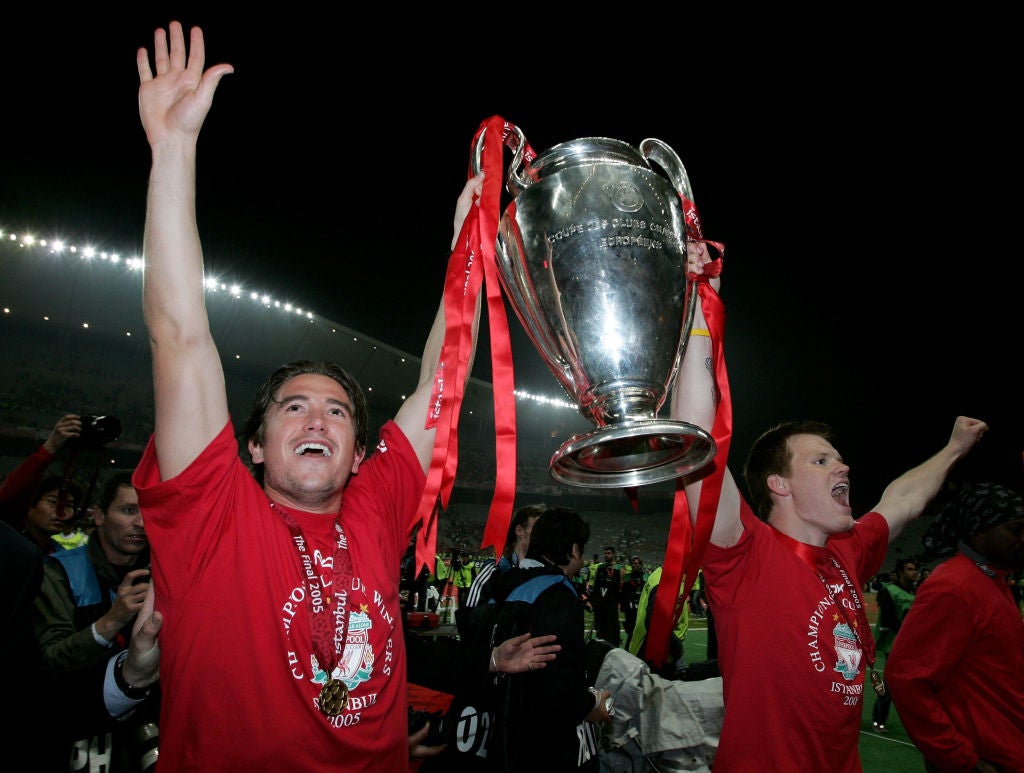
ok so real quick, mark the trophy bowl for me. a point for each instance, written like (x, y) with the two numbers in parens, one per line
(592, 256)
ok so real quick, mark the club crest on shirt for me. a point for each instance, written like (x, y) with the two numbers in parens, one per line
(356, 664)
(848, 651)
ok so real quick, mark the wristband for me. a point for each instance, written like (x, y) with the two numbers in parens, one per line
(699, 331)
(126, 688)
(98, 638)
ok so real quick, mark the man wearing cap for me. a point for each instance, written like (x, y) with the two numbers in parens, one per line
(958, 684)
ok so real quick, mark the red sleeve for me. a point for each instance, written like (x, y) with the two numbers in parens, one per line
(20, 484)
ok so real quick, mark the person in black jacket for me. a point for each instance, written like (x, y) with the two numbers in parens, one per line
(51, 712)
(547, 719)
(87, 608)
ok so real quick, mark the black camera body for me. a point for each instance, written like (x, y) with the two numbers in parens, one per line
(442, 729)
(97, 431)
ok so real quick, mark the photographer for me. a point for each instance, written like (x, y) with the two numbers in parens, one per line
(37, 505)
(87, 608)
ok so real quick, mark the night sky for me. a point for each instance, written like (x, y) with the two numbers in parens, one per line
(863, 188)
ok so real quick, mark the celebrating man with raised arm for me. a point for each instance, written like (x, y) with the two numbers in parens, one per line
(283, 644)
(794, 642)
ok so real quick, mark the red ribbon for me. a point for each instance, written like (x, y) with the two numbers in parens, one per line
(687, 542)
(473, 264)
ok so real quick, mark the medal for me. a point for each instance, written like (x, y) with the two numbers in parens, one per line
(334, 697)
(877, 683)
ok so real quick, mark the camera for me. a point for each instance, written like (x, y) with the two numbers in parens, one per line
(97, 431)
(441, 727)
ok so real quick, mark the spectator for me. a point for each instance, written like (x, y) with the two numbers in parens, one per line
(698, 598)
(785, 588)
(474, 698)
(517, 540)
(462, 574)
(605, 585)
(956, 670)
(73, 532)
(87, 608)
(546, 720)
(37, 505)
(288, 574)
(91, 699)
(894, 599)
(632, 586)
(677, 636)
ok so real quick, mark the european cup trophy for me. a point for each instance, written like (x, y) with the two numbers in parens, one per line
(592, 256)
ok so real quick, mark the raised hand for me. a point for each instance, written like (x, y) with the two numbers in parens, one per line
(174, 103)
(68, 426)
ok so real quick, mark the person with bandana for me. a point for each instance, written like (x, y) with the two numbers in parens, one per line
(958, 682)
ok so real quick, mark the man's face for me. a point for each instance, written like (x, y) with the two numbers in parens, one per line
(46, 516)
(907, 576)
(819, 484)
(121, 530)
(638, 565)
(609, 556)
(523, 532)
(575, 561)
(308, 450)
(1002, 544)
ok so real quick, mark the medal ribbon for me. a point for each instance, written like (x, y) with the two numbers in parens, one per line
(327, 621)
(808, 555)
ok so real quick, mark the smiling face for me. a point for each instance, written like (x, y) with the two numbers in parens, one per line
(308, 447)
(813, 499)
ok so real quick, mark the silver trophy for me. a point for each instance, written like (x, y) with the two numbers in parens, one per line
(592, 255)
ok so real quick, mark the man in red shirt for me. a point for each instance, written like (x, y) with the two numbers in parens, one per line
(956, 670)
(785, 587)
(283, 646)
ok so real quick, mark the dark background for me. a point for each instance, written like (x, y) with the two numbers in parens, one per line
(859, 173)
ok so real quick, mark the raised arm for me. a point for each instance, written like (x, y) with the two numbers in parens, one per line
(906, 497)
(412, 415)
(695, 399)
(189, 392)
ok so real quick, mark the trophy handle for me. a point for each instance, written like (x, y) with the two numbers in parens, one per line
(666, 158)
(518, 144)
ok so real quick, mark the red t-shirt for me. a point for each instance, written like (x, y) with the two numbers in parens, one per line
(792, 671)
(956, 670)
(237, 677)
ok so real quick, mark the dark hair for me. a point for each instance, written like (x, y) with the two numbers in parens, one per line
(554, 534)
(520, 517)
(110, 488)
(253, 429)
(56, 483)
(771, 455)
(901, 563)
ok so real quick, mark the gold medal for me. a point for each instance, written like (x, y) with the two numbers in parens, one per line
(877, 683)
(333, 697)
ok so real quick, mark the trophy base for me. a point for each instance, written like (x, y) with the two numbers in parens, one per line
(636, 453)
